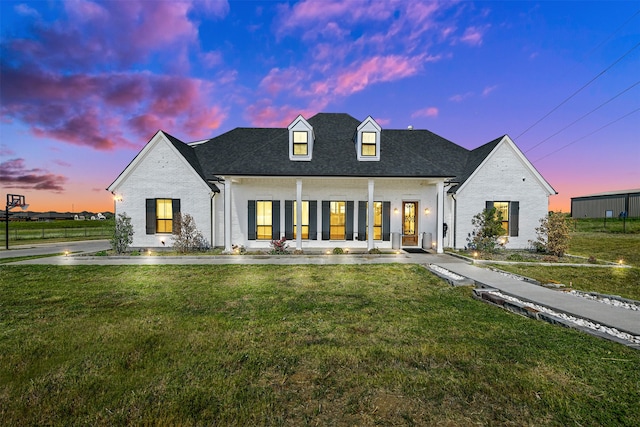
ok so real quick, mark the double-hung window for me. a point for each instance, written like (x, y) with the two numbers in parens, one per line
(369, 144)
(337, 220)
(510, 215)
(264, 217)
(160, 214)
(300, 143)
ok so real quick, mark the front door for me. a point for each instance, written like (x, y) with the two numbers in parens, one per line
(409, 224)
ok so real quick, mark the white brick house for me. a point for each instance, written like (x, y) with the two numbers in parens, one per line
(330, 181)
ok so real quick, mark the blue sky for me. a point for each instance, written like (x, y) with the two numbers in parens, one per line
(85, 84)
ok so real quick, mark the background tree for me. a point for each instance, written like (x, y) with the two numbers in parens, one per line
(122, 234)
(488, 229)
(186, 236)
(553, 234)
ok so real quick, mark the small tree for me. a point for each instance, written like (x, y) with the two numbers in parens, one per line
(553, 234)
(122, 234)
(186, 237)
(488, 229)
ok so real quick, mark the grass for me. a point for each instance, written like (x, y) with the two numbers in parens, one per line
(612, 225)
(27, 232)
(612, 247)
(291, 345)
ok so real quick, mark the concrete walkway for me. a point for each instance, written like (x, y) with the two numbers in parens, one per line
(607, 315)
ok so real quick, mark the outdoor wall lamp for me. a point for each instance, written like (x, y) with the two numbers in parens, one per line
(395, 211)
(426, 211)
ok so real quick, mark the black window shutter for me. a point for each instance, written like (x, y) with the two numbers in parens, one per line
(362, 220)
(151, 216)
(326, 214)
(514, 218)
(175, 207)
(349, 226)
(313, 220)
(175, 211)
(288, 219)
(489, 205)
(386, 221)
(251, 213)
(275, 220)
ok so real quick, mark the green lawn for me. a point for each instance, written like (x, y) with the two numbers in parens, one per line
(604, 246)
(27, 232)
(291, 345)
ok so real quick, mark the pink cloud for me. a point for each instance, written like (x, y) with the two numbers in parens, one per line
(473, 36)
(487, 90)
(426, 112)
(459, 97)
(264, 114)
(374, 70)
(15, 174)
(90, 110)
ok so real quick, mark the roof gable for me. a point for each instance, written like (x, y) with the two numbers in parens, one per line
(182, 150)
(481, 155)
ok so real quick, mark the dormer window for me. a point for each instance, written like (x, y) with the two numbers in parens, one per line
(368, 144)
(368, 140)
(300, 140)
(300, 143)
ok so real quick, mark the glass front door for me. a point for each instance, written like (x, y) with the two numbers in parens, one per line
(409, 224)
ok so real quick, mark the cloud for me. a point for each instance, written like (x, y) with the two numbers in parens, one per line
(264, 114)
(459, 97)
(352, 46)
(487, 90)
(426, 112)
(25, 10)
(14, 174)
(97, 110)
(473, 36)
(64, 78)
(374, 70)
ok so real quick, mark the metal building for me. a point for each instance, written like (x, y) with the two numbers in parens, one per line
(612, 204)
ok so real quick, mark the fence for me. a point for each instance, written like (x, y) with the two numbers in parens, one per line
(56, 233)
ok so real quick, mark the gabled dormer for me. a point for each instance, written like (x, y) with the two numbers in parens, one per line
(301, 139)
(368, 140)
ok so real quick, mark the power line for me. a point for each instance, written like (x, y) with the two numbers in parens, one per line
(587, 135)
(585, 115)
(613, 33)
(579, 90)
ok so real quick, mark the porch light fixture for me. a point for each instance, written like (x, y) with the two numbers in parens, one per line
(13, 200)
(395, 211)
(426, 211)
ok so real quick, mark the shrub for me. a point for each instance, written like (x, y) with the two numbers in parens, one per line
(488, 231)
(338, 251)
(515, 257)
(279, 247)
(375, 251)
(550, 258)
(553, 234)
(122, 234)
(186, 237)
(101, 253)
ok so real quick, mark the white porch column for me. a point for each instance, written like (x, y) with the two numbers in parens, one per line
(440, 217)
(370, 215)
(298, 214)
(227, 215)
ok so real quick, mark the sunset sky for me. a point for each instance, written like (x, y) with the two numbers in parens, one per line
(85, 84)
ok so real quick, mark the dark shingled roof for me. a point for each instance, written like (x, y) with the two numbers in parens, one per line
(265, 152)
(190, 156)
